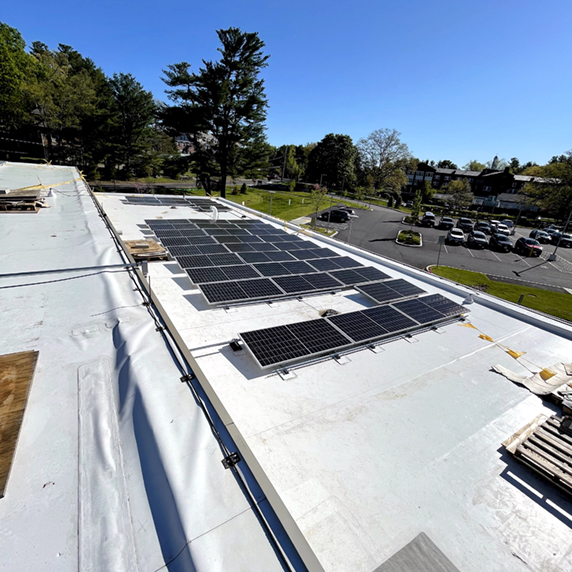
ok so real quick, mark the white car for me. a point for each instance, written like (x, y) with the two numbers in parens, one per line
(455, 236)
(502, 229)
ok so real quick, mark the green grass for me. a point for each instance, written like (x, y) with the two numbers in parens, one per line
(409, 237)
(319, 229)
(555, 303)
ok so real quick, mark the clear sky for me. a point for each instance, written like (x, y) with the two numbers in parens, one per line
(459, 80)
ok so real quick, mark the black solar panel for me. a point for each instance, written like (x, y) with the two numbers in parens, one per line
(324, 264)
(389, 318)
(418, 311)
(263, 247)
(347, 276)
(271, 269)
(357, 326)
(318, 336)
(322, 281)
(293, 284)
(249, 239)
(259, 288)
(174, 241)
(252, 257)
(290, 246)
(202, 239)
(274, 345)
(279, 256)
(324, 252)
(346, 262)
(212, 249)
(403, 287)
(227, 259)
(305, 254)
(192, 232)
(371, 273)
(379, 291)
(200, 261)
(165, 233)
(178, 251)
(239, 247)
(222, 292)
(298, 267)
(228, 239)
(444, 305)
(240, 272)
(203, 275)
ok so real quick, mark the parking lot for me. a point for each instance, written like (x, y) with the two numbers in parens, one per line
(376, 230)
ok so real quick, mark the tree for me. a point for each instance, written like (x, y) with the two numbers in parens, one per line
(334, 157)
(474, 165)
(385, 157)
(460, 192)
(416, 209)
(446, 164)
(317, 198)
(427, 192)
(222, 109)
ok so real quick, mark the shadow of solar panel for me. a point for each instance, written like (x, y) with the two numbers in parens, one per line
(200, 261)
(271, 269)
(357, 326)
(280, 256)
(166, 233)
(318, 336)
(252, 257)
(201, 239)
(305, 254)
(444, 305)
(379, 292)
(324, 264)
(227, 259)
(240, 272)
(178, 251)
(322, 281)
(263, 247)
(298, 267)
(259, 288)
(174, 241)
(418, 311)
(293, 284)
(204, 275)
(239, 247)
(389, 319)
(346, 262)
(273, 345)
(347, 276)
(218, 292)
(212, 249)
(371, 273)
(403, 287)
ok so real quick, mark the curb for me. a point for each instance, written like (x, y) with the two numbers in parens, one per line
(397, 241)
(408, 223)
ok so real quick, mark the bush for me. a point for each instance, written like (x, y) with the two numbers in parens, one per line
(235, 191)
(243, 189)
(398, 202)
(390, 202)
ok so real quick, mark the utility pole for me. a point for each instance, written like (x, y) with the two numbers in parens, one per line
(552, 257)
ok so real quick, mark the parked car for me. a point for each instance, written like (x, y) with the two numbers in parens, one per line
(565, 240)
(348, 210)
(428, 219)
(502, 229)
(477, 239)
(511, 226)
(483, 226)
(408, 204)
(465, 224)
(528, 247)
(500, 242)
(455, 236)
(553, 233)
(494, 223)
(541, 236)
(335, 216)
(446, 223)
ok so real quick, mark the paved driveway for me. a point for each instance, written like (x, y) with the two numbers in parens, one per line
(376, 230)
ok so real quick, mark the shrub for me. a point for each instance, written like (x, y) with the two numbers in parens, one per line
(390, 202)
(243, 189)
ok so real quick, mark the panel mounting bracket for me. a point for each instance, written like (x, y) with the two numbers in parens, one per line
(231, 460)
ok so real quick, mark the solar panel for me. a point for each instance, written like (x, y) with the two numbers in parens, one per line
(252, 257)
(357, 326)
(259, 288)
(165, 233)
(274, 238)
(203, 275)
(249, 239)
(379, 291)
(202, 239)
(290, 246)
(228, 239)
(347, 276)
(239, 247)
(293, 284)
(200, 261)
(240, 272)
(389, 319)
(404, 288)
(324, 252)
(178, 251)
(174, 241)
(444, 305)
(263, 247)
(274, 345)
(318, 336)
(324, 264)
(305, 254)
(298, 267)
(322, 281)
(418, 311)
(192, 232)
(271, 269)
(227, 259)
(212, 249)
(371, 273)
(280, 256)
(346, 262)
(218, 292)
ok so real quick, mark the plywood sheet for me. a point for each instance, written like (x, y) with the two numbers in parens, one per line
(16, 373)
(145, 249)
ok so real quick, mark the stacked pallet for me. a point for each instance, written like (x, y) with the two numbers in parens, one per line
(20, 200)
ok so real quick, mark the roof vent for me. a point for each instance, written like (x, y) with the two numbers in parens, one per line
(328, 313)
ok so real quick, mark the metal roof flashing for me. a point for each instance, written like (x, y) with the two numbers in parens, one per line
(368, 451)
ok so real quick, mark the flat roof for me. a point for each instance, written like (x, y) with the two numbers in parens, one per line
(368, 450)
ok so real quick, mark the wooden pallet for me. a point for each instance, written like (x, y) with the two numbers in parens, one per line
(545, 446)
(16, 373)
(146, 249)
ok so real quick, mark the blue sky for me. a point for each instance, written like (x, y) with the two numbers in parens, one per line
(459, 80)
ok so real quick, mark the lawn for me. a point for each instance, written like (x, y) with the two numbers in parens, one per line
(410, 237)
(555, 303)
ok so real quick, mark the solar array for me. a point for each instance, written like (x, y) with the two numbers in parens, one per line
(199, 204)
(283, 344)
(248, 260)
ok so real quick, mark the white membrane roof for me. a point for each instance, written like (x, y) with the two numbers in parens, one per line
(116, 467)
(368, 451)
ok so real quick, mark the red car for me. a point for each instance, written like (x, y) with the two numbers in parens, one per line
(528, 247)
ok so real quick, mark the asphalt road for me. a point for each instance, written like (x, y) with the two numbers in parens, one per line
(377, 229)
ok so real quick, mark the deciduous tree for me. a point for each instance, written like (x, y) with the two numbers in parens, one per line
(334, 157)
(460, 193)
